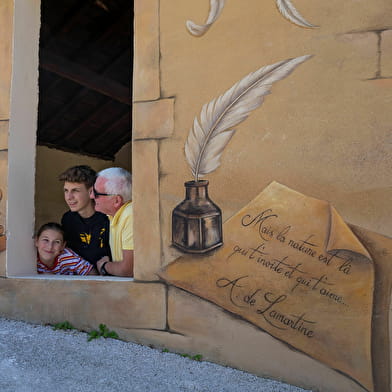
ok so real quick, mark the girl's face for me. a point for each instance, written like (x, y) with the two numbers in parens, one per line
(49, 245)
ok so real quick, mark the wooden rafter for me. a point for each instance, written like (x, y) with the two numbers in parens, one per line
(85, 77)
(125, 117)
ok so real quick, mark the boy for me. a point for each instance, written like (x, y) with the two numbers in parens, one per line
(86, 230)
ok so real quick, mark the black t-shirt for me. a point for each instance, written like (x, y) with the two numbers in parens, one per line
(88, 237)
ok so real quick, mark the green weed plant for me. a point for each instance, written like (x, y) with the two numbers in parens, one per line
(102, 332)
(65, 325)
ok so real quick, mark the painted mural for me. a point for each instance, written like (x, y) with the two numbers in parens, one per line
(291, 266)
(286, 262)
(285, 7)
(197, 221)
(278, 269)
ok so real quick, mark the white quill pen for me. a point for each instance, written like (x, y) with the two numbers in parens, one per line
(216, 7)
(287, 9)
(208, 138)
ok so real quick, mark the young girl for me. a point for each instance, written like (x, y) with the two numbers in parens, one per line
(54, 258)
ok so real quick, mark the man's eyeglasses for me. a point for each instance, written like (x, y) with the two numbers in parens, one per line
(97, 194)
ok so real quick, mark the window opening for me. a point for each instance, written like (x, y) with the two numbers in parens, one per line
(85, 84)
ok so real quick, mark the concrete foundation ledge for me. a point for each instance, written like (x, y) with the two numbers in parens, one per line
(85, 302)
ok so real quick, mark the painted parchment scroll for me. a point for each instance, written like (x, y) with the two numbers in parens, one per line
(291, 266)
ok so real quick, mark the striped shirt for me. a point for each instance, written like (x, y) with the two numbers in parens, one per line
(66, 263)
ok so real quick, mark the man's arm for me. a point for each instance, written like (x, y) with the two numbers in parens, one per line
(123, 267)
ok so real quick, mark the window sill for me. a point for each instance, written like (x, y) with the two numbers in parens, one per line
(97, 278)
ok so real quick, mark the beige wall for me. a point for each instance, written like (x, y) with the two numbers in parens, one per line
(49, 199)
(6, 27)
(19, 102)
(324, 130)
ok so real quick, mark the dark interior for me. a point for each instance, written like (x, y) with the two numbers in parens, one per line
(85, 76)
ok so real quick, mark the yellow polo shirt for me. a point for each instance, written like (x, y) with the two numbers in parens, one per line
(121, 231)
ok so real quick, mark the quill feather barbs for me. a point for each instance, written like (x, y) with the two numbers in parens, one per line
(209, 136)
(216, 7)
(287, 9)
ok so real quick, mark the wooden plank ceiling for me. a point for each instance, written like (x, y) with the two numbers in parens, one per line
(85, 63)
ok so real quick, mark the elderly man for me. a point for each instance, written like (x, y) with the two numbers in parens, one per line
(112, 192)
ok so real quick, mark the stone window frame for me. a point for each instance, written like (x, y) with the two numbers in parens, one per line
(23, 101)
(153, 120)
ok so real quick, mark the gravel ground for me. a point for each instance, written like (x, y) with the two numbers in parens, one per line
(35, 358)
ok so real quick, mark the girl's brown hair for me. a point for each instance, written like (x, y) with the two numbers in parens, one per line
(51, 226)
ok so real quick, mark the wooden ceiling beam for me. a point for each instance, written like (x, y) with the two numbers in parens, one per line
(90, 118)
(121, 20)
(85, 77)
(105, 69)
(51, 122)
(107, 157)
(68, 106)
(68, 20)
(125, 117)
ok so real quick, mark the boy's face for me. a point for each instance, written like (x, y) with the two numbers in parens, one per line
(77, 196)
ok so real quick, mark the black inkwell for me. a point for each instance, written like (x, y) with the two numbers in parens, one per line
(197, 221)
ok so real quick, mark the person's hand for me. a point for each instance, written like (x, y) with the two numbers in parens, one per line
(102, 260)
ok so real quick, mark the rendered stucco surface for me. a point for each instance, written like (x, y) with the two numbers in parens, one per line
(84, 303)
(3, 135)
(3, 198)
(386, 53)
(153, 119)
(6, 25)
(147, 236)
(233, 342)
(49, 197)
(324, 131)
(291, 266)
(146, 43)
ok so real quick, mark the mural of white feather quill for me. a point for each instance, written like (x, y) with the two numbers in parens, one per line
(216, 7)
(209, 136)
(287, 9)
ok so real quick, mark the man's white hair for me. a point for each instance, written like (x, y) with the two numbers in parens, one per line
(118, 182)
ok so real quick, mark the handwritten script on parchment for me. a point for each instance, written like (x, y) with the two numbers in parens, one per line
(291, 266)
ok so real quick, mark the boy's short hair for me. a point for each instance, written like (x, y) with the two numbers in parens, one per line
(82, 174)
